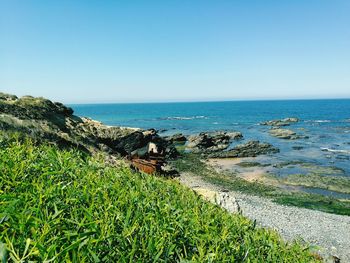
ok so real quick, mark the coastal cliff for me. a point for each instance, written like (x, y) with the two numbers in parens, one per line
(53, 122)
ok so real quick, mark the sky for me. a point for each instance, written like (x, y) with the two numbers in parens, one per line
(156, 51)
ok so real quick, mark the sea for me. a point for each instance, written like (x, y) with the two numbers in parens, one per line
(325, 123)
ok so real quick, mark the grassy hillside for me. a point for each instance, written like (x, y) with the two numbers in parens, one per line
(64, 206)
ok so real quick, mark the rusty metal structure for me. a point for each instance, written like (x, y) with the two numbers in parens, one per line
(147, 166)
(148, 159)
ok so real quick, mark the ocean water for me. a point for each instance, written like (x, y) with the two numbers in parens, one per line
(325, 122)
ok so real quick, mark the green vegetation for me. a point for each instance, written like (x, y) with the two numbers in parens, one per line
(339, 184)
(193, 164)
(251, 164)
(65, 206)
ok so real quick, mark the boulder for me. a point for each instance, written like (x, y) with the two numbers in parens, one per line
(177, 138)
(282, 122)
(290, 120)
(143, 142)
(211, 142)
(248, 149)
(234, 135)
(131, 142)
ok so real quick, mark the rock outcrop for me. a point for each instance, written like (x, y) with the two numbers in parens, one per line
(207, 142)
(248, 149)
(278, 123)
(45, 120)
(177, 138)
(286, 134)
(54, 122)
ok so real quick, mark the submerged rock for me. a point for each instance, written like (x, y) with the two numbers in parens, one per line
(278, 123)
(248, 149)
(297, 148)
(207, 142)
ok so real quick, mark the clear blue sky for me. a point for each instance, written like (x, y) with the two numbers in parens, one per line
(112, 51)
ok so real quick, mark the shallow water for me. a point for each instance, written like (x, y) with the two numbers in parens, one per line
(325, 122)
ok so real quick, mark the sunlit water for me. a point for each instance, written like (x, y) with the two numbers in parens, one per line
(325, 122)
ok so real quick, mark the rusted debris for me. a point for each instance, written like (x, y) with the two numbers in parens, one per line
(148, 159)
(151, 160)
(147, 166)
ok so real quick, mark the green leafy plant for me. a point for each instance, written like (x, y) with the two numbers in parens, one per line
(65, 206)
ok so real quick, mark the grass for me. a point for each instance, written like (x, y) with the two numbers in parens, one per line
(193, 164)
(65, 206)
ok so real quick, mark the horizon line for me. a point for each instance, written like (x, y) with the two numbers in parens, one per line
(204, 100)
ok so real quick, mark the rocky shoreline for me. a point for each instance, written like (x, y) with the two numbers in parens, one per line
(54, 122)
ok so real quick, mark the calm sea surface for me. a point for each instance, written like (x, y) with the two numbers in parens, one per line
(325, 122)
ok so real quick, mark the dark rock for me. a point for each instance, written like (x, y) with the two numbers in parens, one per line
(234, 135)
(178, 138)
(278, 123)
(169, 171)
(342, 157)
(297, 148)
(211, 142)
(249, 149)
(131, 142)
(140, 141)
(166, 147)
(324, 136)
(67, 111)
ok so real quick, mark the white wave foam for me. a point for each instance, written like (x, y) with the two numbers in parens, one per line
(185, 118)
(335, 151)
(318, 121)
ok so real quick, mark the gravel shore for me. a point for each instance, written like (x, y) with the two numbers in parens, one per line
(329, 233)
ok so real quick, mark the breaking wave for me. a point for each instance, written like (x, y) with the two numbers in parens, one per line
(184, 118)
(319, 121)
(335, 151)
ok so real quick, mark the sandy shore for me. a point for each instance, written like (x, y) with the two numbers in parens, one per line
(251, 174)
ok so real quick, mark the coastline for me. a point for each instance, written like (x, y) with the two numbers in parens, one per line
(207, 155)
(327, 233)
(261, 198)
